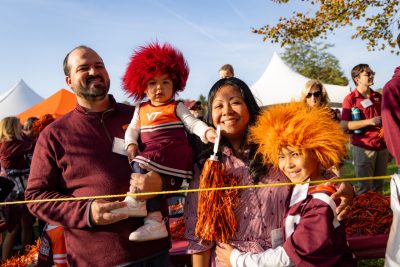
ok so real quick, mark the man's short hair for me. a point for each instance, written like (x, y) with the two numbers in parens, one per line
(66, 67)
(228, 67)
(358, 69)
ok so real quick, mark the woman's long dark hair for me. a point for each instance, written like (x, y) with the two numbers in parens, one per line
(257, 168)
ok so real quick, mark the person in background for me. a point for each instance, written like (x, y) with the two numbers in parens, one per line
(52, 251)
(369, 149)
(226, 71)
(27, 130)
(80, 155)
(259, 211)
(314, 94)
(391, 113)
(299, 141)
(14, 163)
(37, 127)
(195, 108)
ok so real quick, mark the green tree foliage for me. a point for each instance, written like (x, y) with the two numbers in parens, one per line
(313, 61)
(203, 101)
(373, 21)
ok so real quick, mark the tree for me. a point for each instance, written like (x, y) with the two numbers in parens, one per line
(203, 101)
(376, 20)
(313, 61)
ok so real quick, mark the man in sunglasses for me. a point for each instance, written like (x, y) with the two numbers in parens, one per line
(370, 155)
(391, 113)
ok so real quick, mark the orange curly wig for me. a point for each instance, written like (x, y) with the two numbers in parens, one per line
(310, 131)
(154, 60)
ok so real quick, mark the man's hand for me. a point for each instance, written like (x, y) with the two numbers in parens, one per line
(149, 182)
(132, 151)
(100, 212)
(376, 121)
(224, 251)
(345, 192)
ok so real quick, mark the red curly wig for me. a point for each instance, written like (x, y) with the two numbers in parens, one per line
(309, 131)
(151, 61)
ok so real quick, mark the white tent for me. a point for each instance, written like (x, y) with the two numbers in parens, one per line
(18, 99)
(280, 84)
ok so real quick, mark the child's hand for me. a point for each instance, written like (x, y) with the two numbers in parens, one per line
(345, 192)
(211, 134)
(132, 151)
(223, 251)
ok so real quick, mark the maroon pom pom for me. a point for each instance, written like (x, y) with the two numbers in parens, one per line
(151, 61)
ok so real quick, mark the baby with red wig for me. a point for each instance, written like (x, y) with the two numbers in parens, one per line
(156, 137)
(300, 141)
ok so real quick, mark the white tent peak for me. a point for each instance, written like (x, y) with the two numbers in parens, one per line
(17, 99)
(280, 84)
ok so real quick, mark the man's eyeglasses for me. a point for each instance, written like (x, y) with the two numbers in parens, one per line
(369, 74)
(315, 94)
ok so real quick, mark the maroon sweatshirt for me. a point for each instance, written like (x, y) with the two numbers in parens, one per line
(391, 115)
(73, 158)
(12, 154)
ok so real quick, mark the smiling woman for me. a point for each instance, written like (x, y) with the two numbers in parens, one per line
(230, 111)
(258, 211)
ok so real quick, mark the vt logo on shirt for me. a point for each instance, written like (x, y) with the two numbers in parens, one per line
(153, 115)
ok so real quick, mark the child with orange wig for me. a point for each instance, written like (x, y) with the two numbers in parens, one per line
(158, 72)
(300, 141)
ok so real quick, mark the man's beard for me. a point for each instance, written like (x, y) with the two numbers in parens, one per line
(96, 92)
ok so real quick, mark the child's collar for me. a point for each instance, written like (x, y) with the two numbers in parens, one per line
(300, 191)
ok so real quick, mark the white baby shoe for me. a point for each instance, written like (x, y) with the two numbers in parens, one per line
(134, 208)
(151, 230)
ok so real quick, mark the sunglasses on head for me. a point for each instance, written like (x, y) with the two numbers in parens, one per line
(315, 94)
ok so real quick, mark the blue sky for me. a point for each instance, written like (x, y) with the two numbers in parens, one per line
(36, 35)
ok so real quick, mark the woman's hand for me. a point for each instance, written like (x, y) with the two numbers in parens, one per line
(211, 134)
(345, 192)
(223, 251)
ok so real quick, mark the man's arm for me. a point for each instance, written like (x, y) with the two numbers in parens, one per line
(347, 124)
(391, 119)
(46, 182)
(354, 125)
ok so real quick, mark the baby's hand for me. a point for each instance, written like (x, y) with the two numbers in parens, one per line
(211, 134)
(132, 151)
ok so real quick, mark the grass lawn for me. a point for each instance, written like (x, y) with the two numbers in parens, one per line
(348, 172)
